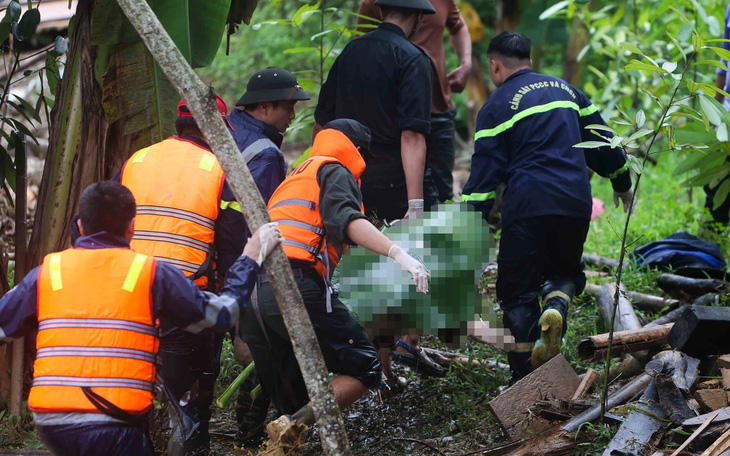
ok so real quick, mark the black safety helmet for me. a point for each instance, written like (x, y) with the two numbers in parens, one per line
(272, 84)
(356, 132)
(418, 5)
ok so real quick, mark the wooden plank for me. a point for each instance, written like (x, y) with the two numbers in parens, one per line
(694, 435)
(553, 380)
(585, 384)
(720, 445)
(723, 415)
(702, 330)
(594, 348)
(641, 426)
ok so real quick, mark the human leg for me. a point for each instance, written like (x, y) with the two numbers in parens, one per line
(521, 259)
(440, 154)
(93, 439)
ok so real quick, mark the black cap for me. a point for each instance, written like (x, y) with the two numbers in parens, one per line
(272, 84)
(356, 132)
(417, 5)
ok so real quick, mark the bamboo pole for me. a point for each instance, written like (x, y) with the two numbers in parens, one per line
(201, 102)
(595, 347)
(21, 242)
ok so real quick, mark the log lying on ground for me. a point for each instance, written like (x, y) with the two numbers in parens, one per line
(626, 393)
(640, 300)
(642, 426)
(626, 318)
(591, 259)
(595, 347)
(669, 317)
(672, 283)
(671, 400)
(447, 358)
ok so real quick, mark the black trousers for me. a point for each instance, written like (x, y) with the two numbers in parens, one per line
(537, 255)
(440, 153)
(108, 439)
(345, 346)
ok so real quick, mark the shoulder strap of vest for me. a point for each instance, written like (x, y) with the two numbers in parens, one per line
(256, 147)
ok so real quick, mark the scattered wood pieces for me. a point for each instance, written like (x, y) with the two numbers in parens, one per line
(722, 415)
(680, 285)
(671, 400)
(711, 399)
(694, 435)
(669, 317)
(643, 425)
(595, 347)
(720, 445)
(551, 442)
(591, 259)
(553, 380)
(702, 330)
(585, 384)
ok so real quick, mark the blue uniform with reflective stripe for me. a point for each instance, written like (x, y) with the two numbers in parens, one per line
(525, 136)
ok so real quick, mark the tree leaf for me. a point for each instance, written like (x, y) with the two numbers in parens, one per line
(60, 46)
(640, 134)
(641, 66)
(13, 12)
(677, 45)
(697, 41)
(722, 132)
(721, 194)
(592, 144)
(29, 23)
(669, 66)
(669, 132)
(303, 13)
(634, 164)
(600, 127)
(640, 118)
(553, 10)
(631, 47)
(715, 63)
(709, 109)
(722, 53)
(684, 18)
(616, 141)
(52, 76)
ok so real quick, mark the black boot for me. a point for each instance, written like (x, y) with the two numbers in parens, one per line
(251, 414)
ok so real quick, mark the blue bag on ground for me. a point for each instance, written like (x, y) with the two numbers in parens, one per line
(684, 254)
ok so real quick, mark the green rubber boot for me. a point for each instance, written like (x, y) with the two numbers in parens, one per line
(551, 335)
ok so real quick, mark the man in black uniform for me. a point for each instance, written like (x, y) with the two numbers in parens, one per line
(525, 138)
(384, 81)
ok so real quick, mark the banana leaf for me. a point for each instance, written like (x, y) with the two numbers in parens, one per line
(455, 245)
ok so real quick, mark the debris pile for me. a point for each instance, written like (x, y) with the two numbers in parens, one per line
(669, 388)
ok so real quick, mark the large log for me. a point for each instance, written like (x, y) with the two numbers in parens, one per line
(669, 317)
(644, 424)
(594, 348)
(201, 102)
(640, 300)
(591, 259)
(672, 283)
(626, 318)
(628, 391)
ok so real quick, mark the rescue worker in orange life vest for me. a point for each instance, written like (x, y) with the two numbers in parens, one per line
(319, 212)
(185, 218)
(96, 308)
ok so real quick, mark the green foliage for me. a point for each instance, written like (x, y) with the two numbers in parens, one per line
(18, 431)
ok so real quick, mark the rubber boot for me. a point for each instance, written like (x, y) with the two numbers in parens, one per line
(553, 324)
(251, 414)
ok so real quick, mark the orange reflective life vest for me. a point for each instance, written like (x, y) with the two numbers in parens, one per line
(294, 204)
(177, 185)
(96, 330)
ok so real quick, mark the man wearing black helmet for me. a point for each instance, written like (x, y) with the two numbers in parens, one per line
(261, 115)
(384, 81)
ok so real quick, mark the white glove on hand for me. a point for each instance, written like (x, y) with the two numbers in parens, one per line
(263, 242)
(415, 208)
(412, 265)
(625, 198)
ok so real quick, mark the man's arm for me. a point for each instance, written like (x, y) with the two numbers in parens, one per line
(18, 308)
(461, 42)
(231, 232)
(720, 84)
(413, 155)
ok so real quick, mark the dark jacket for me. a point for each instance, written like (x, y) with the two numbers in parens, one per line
(525, 136)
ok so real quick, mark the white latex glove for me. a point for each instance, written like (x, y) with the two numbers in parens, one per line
(413, 266)
(415, 208)
(625, 198)
(263, 242)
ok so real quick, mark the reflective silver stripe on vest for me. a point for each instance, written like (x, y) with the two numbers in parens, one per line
(300, 245)
(93, 382)
(172, 238)
(105, 352)
(99, 323)
(177, 213)
(180, 264)
(313, 228)
(256, 147)
(295, 202)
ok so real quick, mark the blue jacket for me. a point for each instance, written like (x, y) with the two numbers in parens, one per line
(525, 136)
(177, 301)
(259, 143)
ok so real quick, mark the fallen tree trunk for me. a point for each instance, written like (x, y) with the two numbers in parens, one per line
(640, 300)
(621, 396)
(643, 425)
(669, 317)
(626, 318)
(591, 259)
(671, 400)
(595, 347)
(448, 358)
(672, 283)
(201, 102)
